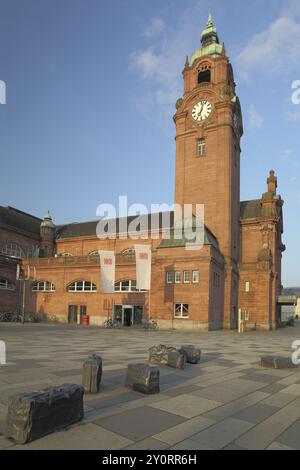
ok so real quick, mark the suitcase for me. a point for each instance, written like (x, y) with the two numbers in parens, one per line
(159, 354)
(276, 362)
(32, 415)
(142, 378)
(92, 374)
(192, 354)
(176, 360)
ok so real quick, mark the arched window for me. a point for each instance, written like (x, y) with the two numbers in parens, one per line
(128, 252)
(13, 250)
(94, 253)
(5, 284)
(65, 254)
(204, 76)
(43, 286)
(82, 286)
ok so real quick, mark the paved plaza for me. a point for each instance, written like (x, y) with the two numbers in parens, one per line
(226, 402)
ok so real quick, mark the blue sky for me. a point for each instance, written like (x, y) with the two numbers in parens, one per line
(91, 91)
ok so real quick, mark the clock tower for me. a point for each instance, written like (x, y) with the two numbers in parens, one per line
(208, 132)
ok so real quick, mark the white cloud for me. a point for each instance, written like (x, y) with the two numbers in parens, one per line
(146, 62)
(159, 65)
(275, 49)
(255, 119)
(286, 155)
(293, 116)
(156, 26)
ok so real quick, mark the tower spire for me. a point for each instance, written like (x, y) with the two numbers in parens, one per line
(209, 20)
(209, 34)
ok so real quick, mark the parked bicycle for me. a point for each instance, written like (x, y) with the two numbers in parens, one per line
(110, 323)
(150, 325)
(10, 317)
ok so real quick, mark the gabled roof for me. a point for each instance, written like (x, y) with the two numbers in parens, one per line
(19, 220)
(85, 229)
(292, 291)
(287, 300)
(165, 219)
(250, 209)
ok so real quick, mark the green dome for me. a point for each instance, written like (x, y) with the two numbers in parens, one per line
(210, 32)
(210, 42)
(47, 222)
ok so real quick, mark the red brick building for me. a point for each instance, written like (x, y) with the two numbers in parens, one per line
(239, 266)
(19, 237)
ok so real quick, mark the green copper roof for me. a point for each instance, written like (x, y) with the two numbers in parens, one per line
(210, 32)
(210, 42)
(47, 222)
(178, 239)
(214, 50)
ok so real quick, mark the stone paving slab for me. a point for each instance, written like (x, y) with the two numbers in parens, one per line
(144, 422)
(256, 413)
(228, 391)
(230, 409)
(270, 429)
(291, 437)
(273, 388)
(188, 444)
(223, 433)
(148, 444)
(187, 405)
(85, 436)
(184, 430)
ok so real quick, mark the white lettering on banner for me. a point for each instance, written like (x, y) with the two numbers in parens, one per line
(143, 266)
(107, 268)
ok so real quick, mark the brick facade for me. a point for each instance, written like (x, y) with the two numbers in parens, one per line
(19, 236)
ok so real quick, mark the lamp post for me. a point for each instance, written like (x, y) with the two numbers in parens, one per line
(23, 277)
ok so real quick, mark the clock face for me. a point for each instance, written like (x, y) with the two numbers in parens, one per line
(201, 110)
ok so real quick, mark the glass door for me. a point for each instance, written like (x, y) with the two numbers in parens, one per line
(72, 313)
(127, 315)
(82, 311)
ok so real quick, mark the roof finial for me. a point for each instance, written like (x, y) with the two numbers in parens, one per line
(272, 182)
(187, 64)
(209, 34)
(210, 20)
